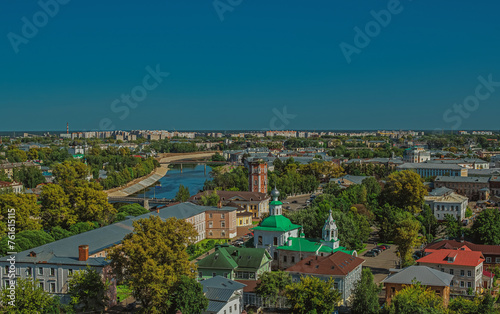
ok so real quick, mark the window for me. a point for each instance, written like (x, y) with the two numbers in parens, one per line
(293, 259)
(230, 309)
(497, 260)
(52, 271)
(462, 272)
(236, 307)
(70, 272)
(41, 285)
(275, 255)
(6, 270)
(214, 274)
(40, 271)
(53, 287)
(210, 215)
(462, 284)
(210, 224)
(260, 240)
(451, 271)
(284, 259)
(223, 224)
(469, 273)
(6, 283)
(225, 275)
(275, 240)
(469, 284)
(29, 271)
(488, 260)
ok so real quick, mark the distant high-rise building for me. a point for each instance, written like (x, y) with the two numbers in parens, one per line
(257, 176)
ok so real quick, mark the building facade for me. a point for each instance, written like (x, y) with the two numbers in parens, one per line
(255, 203)
(444, 201)
(345, 269)
(465, 265)
(257, 177)
(467, 186)
(221, 223)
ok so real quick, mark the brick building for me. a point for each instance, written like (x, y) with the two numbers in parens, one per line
(257, 176)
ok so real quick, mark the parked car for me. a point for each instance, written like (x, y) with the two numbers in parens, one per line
(287, 207)
(377, 250)
(370, 254)
(382, 247)
(294, 202)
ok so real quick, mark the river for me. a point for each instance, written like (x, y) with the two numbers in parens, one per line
(193, 177)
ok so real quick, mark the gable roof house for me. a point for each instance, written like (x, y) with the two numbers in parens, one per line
(436, 280)
(345, 269)
(235, 263)
(224, 295)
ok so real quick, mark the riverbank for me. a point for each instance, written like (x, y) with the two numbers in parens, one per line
(146, 181)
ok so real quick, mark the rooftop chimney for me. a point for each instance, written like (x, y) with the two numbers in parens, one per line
(32, 254)
(157, 210)
(219, 205)
(83, 253)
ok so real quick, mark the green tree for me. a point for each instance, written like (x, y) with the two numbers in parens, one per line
(188, 296)
(404, 189)
(30, 298)
(130, 210)
(25, 209)
(183, 194)
(468, 212)
(88, 291)
(91, 203)
(406, 237)
(25, 240)
(69, 172)
(453, 227)
(366, 295)
(428, 223)
(486, 227)
(59, 233)
(153, 258)
(273, 284)
(416, 298)
(83, 226)
(312, 295)
(30, 177)
(209, 199)
(56, 209)
(16, 155)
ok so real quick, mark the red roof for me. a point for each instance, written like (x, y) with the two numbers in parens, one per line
(453, 257)
(336, 264)
(453, 244)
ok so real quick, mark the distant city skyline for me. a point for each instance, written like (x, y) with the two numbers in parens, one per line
(294, 65)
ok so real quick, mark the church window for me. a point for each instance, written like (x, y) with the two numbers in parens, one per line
(260, 240)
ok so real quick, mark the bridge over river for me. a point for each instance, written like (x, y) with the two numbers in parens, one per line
(145, 202)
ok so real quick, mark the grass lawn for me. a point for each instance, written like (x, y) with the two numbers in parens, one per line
(362, 250)
(123, 292)
(387, 243)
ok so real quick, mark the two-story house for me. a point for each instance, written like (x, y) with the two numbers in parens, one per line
(444, 201)
(345, 269)
(465, 265)
(224, 296)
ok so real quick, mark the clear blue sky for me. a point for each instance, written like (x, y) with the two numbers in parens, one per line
(237, 73)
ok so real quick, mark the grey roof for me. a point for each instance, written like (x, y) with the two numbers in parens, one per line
(65, 251)
(462, 179)
(221, 282)
(440, 191)
(484, 172)
(219, 291)
(423, 274)
(353, 179)
(430, 166)
(215, 306)
(457, 161)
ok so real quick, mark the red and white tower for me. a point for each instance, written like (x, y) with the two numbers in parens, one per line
(257, 176)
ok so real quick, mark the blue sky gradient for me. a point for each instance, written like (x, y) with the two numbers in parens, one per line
(237, 72)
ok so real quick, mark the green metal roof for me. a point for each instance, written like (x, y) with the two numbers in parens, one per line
(276, 223)
(275, 203)
(231, 257)
(311, 245)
